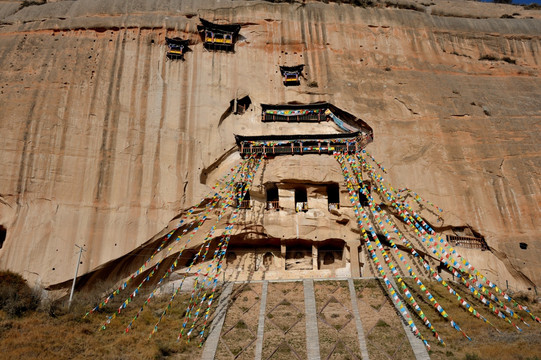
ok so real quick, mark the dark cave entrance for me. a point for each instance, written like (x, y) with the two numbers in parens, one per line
(3, 235)
(301, 199)
(333, 196)
(273, 198)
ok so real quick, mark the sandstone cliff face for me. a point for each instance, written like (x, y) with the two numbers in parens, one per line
(104, 141)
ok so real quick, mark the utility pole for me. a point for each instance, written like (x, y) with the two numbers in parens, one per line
(76, 271)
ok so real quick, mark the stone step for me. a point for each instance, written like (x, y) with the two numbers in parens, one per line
(312, 333)
(211, 344)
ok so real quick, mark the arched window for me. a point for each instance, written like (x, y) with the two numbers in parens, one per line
(328, 258)
(268, 260)
(231, 257)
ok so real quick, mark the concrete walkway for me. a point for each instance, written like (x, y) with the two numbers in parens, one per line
(360, 331)
(419, 349)
(261, 322)
(211, 344)
(417, 345)
(312, 333)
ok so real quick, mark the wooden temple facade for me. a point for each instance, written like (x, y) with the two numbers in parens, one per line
(291, 74)
(295, 112)
(274, 145)
(356, 133)
(176, 47)
(468, 242)
(218, 37)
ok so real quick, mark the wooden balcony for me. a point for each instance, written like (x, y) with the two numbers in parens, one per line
(334, 206)
(273, 205)
(271, 145)
(467, 242)
(301, 206)
(245, 204)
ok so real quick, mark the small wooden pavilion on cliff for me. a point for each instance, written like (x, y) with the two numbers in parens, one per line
(218, 37)
(176, 47)
(294, 112)
(292, 74)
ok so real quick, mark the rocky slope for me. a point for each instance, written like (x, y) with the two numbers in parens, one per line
(104, 141)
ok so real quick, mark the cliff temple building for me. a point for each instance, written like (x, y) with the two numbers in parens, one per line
(282, 211)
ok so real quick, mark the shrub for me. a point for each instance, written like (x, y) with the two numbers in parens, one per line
(363, 3)
(26, 3)
(488, 57)
(509, 60)
(472, 356)
(16, 297)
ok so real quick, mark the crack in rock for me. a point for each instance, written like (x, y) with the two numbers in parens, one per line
(406, 106)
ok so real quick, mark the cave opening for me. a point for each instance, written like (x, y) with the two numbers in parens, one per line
(363, 199)
(333, 196)
(299, 256)
(243, 202)
(239, 106)
(301, 199)
(331, 254)
(273, 199)
(3, 235)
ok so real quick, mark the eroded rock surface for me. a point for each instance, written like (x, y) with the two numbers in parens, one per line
(104, 142)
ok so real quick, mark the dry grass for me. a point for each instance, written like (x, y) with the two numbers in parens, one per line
(239, 331)
(70, 336)
(285, 327)
(486, 342)
(336, 324)
(383, 331)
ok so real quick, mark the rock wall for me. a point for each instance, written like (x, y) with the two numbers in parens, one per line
(105, 141)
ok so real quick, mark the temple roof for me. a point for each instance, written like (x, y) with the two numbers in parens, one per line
(291, 69)
(229, 28)
(317, 105)
(346, 117)
(176, 41)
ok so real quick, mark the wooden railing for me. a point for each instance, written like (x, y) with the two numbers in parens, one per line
(245, 204)
(467, 242)
(301, 206)
(273, 205)
(295, 118)
(334, 206)
(324, 147)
